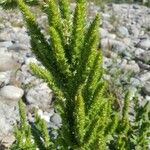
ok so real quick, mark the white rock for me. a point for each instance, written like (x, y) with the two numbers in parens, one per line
(127, 41)
(106, 15)
(5, 44)
(5, 77)
(145, 57)
(114, 45)
(145, 44)
(135, 82)
(123, 31)
(138, 52)
(51, 111)
(107, 62)
(7, 62)
(135, 31)
(147, 98)
(56, 119)
(146, 88)
(3, 50)
(144, 76)
(44, 115)
(103, 33)
(133, 91)
(143, 65)
(40, 95)
(46, 118)
(2, 26)
(11, 92)
(29, 60)
(40, 112)
(22, 36)
(18, 47)
(132, 66)
(111, 36)
(8, 116)
(123, 63)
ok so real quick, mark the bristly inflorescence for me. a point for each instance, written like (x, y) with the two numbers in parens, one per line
(73, 70)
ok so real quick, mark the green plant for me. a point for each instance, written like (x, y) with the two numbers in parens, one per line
(23, 131)
(133, 133)
(73, 70)
(146, 3)
(30, 137)
(8, 3)
(11, 4)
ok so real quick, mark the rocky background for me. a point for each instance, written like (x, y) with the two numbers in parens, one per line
(125, 41)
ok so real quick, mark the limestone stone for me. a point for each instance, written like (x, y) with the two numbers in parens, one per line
(11, 92)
